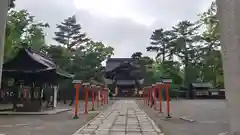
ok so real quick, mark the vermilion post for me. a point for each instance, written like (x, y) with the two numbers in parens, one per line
(93, 96)
(150, 96)
(147, 96)
(86, 100)
(160, 98)
(103, 101)
(143, 95)
(98, 98)
(102, 97)
(107, 96)
(77, 87)
(168, 101)
(155, 97)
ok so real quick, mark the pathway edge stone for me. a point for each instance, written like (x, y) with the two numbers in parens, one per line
(76, 133)
(153, 123)
(187, 119)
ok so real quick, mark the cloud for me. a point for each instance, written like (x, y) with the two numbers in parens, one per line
(126, 26)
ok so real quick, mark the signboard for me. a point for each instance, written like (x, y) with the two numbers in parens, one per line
(86, 84)
(215, 93)
(77, 81)
(159, 83)
(167, 80)
(202, 93)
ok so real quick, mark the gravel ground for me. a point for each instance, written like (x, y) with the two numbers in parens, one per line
(210, 117)
(59, 124)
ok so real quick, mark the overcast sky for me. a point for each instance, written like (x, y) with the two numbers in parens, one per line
(125, 25)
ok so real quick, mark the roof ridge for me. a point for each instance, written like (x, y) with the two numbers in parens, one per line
(40, 54)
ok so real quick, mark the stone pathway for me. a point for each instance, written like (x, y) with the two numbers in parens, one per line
(123, 118)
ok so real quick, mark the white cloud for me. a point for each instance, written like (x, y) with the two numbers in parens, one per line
(124, 24)
(114, 9)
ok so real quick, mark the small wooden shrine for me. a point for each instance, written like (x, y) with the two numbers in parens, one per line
(27, 77)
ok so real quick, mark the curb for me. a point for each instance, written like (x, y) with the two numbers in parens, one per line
(76, 133)
(187, 119)
(35, 113)
(223, 133)
(158, 130)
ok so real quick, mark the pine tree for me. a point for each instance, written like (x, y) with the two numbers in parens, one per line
(70, 34)
(11, 4)
(160, 43)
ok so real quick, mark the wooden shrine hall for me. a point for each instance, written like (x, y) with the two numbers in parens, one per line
(123, 74)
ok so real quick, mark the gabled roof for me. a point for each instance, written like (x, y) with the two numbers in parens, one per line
(96, 83)
(28, 61)
(112, 63)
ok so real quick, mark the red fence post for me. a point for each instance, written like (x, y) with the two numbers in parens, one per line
(98, 97)
(150, 101)
(149, 96)
(144, 96)
(154, 96)
(102, 101)
(160, 98)
(93, 96)
(107, 95)
(168, 101)
(86, 98)
(77, 86)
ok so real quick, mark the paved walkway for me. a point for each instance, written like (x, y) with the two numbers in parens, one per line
(123, 118)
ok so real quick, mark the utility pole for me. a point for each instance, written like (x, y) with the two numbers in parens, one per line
(3, 21)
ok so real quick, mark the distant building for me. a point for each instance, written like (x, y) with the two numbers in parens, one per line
(125, 74)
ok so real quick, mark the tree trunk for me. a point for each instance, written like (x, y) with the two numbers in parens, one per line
(3, 20)
(228, 14)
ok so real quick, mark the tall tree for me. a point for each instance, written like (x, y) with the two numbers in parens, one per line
(160, 43)
(212, 64)
(137, 55)
(89, 64)
(210, 24)
(69, 34)
(12, 4)
(210, 36)
(185, 47)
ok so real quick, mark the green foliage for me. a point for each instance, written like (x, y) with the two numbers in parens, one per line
(183, 53)
(137, 55)
(23, 31)
(197, 53)
(161, 44)
(70, 34)
(75, 52)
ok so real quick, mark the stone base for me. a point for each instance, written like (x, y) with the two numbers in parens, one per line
(50, 112)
